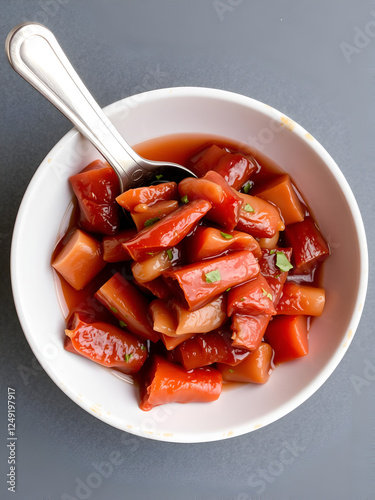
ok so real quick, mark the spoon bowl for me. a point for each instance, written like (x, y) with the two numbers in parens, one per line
(35, 54)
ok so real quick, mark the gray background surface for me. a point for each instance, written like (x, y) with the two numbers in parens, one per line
(312, 61)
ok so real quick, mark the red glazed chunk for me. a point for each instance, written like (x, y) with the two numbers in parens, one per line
(107, 345)
(225, 202)
(170, 383)
(307, 242)
(96, 189)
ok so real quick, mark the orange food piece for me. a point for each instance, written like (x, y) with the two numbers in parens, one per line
(197, 284)
(307, 242)
(205, 319)
(269, 243)
(211, 242)
(301, 299)
(206, 159)
(273, 274)
(156, 287)
(288, 336)
(207, 348)
(143, 215)
(107, 345)
(129, 305)
(96, 188)
(255, 368)
(169, 383)
(80, 259)
(258, 217)
(174, 320)
(236, 169)
(167, 232)
(281, 193)
(151, 268)
(172, 342)
(225, 201)
(248, 331)
(148, 195)
(164, 320)
(253, 297)
(113, 251)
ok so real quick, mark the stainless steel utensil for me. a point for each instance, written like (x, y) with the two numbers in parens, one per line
(35, 54)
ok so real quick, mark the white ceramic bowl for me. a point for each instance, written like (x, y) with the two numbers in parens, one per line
(193, 110)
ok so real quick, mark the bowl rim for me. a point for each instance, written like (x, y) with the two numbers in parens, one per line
(318, 380)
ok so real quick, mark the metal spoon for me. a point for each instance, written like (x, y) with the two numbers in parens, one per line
(35, 54)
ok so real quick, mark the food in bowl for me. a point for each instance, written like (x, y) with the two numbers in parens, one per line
(217, 282)
(242, 408)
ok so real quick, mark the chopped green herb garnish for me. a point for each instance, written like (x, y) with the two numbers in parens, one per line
(185, 199)
(226, 235)
(143, 348)
(230, 370)
(114, 310)
(247, 187)
(248, 208)
(272, 251)
(127, 357)
(277, 276)
(122, 324)
(151, 253)
(151, 221)
(158, 177)
(267, 294)
(282, 262)
(213, 276)
(227, 290)
(242, 299)
(170, 254)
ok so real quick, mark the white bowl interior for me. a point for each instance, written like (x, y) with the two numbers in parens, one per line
(241, 410)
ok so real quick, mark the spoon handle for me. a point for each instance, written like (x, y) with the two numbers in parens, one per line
(35, 54)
